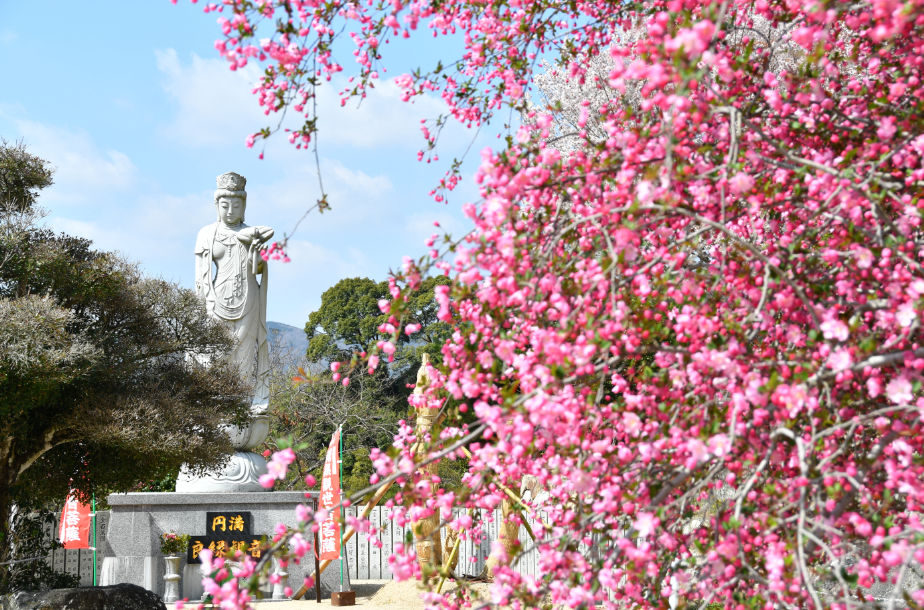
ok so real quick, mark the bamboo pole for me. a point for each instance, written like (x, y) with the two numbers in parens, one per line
(450, 567)
(517, 501)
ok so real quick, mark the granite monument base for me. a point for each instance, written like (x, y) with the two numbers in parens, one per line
(131, 551)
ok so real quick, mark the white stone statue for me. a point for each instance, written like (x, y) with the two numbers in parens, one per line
(228, 262)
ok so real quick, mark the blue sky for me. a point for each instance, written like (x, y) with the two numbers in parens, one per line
(131, 104)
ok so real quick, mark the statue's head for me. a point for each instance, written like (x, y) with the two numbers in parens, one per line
(231, 198)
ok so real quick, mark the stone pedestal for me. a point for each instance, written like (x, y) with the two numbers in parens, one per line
(242, 472)
(241, 475)
(137, 521)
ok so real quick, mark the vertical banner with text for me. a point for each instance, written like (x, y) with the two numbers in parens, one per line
(74, 530)
(330, 497)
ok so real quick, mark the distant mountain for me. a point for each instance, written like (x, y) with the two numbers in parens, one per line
(288, 334)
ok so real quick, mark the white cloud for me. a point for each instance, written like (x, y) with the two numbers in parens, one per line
(161, 231)
(214, 104)
(80, 228)
(381, 119)
(350, 181)
(215, 107)
(378, 212)
(295, 288)
(83, 171)
(359, 202)
(102, 196)
(157, 231)
(109, 202)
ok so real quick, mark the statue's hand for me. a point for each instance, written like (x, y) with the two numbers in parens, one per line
(262, 234)
(254, 234)
(246, 236)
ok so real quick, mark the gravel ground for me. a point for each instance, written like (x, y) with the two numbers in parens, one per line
(365, 590)
(370, 594)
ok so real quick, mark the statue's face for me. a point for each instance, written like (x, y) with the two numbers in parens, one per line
(231, 210)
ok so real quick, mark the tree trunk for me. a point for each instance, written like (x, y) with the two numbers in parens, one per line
(6, 550)
(14, 463)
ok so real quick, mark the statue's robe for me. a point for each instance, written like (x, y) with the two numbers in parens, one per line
(234, 295)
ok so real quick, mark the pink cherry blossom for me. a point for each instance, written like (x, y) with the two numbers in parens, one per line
(864, 258)
(840, 360)
(899, 390)
(645, 524)
(719, 445)
(835, 329)
(741, 183)
(886, 128)
(906, 314)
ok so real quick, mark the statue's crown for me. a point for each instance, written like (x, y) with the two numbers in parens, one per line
(231, 182)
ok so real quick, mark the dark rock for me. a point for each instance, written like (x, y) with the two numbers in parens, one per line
(116, 597)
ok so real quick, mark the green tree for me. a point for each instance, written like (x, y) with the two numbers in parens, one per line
(372, 405)
(431, 336)
(101, 381)
(22, 177)
(309, 412)
(349, 318)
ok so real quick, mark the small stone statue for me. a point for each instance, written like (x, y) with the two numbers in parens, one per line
(228, 262)
(426, 530)
(423, 381)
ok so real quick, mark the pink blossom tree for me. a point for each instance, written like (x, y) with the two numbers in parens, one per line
(697, 325)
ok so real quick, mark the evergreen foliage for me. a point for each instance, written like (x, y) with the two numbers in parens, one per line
(372, 405)
(101, 385)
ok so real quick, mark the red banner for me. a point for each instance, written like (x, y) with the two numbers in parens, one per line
(330, 497)
(74, 530)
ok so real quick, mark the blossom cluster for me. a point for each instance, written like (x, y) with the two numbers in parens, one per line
(690, 309)
(277, 467)
(275, 252)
